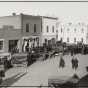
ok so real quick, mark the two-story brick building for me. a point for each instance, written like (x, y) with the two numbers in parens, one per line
(16, 30)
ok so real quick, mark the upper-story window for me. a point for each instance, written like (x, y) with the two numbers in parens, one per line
(75, 30)
(56, 31)
(82, 30)
(47, 27)
(1, 44)
(52, 28)
(27, 27)
(68, 30)
(67, 39)
(34, 28)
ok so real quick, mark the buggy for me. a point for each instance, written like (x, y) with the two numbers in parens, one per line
(19, 59)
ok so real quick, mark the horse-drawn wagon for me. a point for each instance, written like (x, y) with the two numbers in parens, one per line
(4, 64)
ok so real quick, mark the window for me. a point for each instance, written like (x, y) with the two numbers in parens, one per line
(75, 30)
(52, 28)
(34, 28)
(41, 29)
(27, 27)
(61, 30)
(57, 36)
(68, 30)
(70, 23)
(13, 44)
(47, 29)
(61, 39)
(67, 39)
(74, 39)
(82, 40)
(82, 30)
(1, 44)
(56, 31)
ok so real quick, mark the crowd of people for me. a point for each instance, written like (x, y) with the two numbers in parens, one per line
(28, 44)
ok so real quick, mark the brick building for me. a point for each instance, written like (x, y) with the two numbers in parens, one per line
(16, 30)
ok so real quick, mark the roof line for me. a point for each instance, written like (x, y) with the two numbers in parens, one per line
(41, 16)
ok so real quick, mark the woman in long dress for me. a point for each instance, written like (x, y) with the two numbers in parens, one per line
(62, 62)
(76, 63)
(73, 62)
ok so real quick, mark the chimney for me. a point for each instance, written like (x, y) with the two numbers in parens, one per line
(14, 14)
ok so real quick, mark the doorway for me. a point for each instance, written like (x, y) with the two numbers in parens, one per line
(13, 46)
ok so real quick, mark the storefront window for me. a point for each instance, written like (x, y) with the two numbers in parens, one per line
(13, 46)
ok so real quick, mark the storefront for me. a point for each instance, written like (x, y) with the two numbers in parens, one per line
(30, 42)
(13, 46)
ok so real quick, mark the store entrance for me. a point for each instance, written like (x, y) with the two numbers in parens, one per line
(30, 43)
(13, 46)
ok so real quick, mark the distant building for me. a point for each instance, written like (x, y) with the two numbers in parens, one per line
(72, 33)
(18, 30)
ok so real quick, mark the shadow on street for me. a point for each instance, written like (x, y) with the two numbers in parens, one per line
(9, 81)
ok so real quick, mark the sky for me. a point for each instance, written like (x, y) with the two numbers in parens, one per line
(63, 10)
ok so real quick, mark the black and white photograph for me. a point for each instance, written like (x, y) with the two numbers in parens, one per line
(44, 44)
